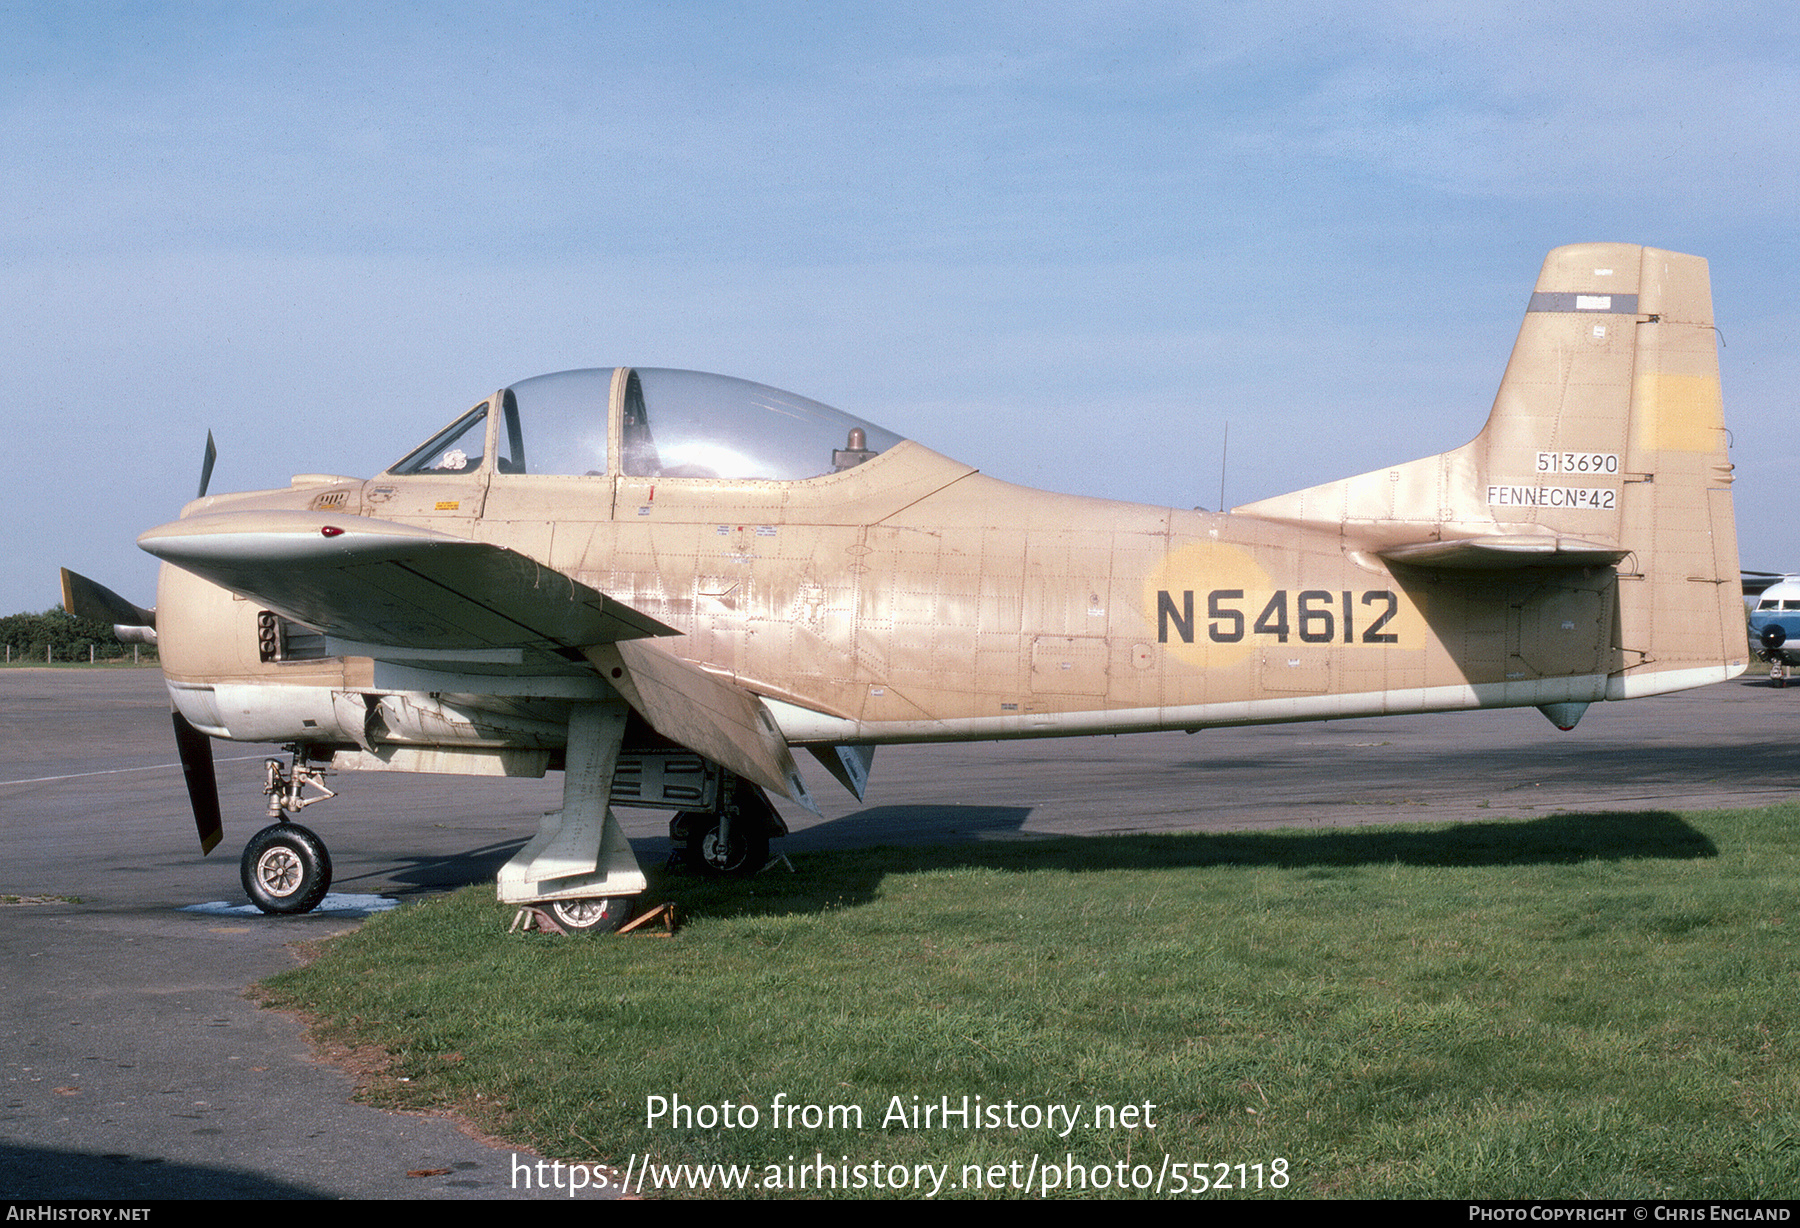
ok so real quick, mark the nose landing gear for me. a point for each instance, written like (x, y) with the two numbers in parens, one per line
(285, 868)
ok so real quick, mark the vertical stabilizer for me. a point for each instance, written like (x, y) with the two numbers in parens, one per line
(1606, 446)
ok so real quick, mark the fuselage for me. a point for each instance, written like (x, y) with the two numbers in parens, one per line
(908, 598)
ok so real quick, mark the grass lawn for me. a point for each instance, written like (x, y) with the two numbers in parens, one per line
(1572, 1006)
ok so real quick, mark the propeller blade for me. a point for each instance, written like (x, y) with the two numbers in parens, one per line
(206, 466)
(203, 787)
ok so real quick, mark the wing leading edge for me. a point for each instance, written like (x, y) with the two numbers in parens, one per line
(391, 590)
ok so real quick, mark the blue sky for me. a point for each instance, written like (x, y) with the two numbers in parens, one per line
(1065, 243)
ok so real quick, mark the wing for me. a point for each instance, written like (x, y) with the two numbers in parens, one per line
(383, 584)
(401, 592)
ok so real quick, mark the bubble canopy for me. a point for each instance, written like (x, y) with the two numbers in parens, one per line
(650, 422)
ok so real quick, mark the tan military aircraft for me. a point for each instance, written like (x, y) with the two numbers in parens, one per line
(660, 582)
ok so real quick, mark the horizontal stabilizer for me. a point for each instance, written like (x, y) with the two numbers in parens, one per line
(381, 583)
(84, 598)
(709, 715)
(1505, 553)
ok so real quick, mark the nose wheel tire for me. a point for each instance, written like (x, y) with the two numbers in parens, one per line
(285, 869)
(596, 915)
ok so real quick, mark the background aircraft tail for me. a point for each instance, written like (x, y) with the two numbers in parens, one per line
(1606, 447)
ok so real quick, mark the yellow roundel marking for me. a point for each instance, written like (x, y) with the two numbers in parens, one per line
(1201, 569)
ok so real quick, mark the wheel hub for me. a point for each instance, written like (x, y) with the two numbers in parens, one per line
(713, 848)
(599, 914)
(280, 872)
(581, 912)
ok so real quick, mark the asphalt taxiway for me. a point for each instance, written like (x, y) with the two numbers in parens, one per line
(134, 1066)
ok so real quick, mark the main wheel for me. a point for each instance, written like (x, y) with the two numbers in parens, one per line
(285, 869)
(739, 857)
(595, 915)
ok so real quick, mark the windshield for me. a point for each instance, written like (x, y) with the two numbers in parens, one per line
(455, 449)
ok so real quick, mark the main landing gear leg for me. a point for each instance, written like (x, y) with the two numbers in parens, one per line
(580, 866)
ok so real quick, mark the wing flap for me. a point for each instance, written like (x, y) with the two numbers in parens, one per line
(709, 715)
(381, 583)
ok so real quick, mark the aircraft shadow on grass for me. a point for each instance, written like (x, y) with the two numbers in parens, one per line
(913, 838)
(885, 840)
(1562, 839)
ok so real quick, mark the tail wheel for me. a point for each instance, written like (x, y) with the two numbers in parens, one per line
(285, 869)
(595, 915)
